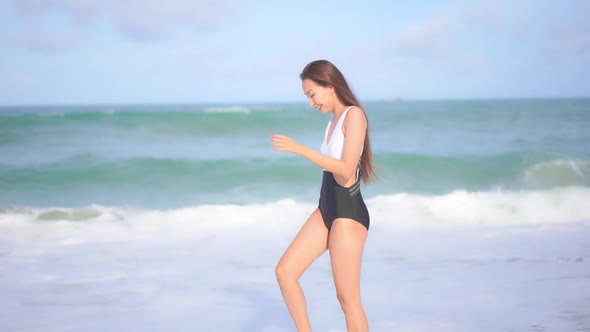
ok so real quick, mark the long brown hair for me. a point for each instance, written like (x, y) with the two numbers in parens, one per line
(325, 74)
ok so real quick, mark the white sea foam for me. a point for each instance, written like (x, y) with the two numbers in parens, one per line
(228, 109)
(110, 110)
(560, 172)
(211, 267)
(463, 208)
(399, 211)
(558, 205)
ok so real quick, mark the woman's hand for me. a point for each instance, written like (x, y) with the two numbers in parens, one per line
(285, 143)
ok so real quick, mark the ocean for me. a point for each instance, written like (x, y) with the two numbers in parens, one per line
(172, 217)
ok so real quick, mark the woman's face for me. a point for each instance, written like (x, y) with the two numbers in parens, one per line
(320, 97)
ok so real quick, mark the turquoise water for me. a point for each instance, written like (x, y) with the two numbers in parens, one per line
(170, 156)
(173, 217)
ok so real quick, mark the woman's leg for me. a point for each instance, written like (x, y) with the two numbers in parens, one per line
(346, 243)
(308, 245)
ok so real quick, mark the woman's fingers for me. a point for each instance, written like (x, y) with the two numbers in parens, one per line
(280, 142)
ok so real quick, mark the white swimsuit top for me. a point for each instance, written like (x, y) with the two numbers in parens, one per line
(335, 147)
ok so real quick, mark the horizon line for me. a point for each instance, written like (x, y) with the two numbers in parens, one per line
(368, 100)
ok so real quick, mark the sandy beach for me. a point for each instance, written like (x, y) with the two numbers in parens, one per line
(158, 271)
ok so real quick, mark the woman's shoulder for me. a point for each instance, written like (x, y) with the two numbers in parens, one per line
(355, 114)
(355, 117)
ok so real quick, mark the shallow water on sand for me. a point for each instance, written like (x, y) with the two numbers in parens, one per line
(157, 275)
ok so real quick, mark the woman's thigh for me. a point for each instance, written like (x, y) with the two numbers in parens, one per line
(310, 243)
(346, 243)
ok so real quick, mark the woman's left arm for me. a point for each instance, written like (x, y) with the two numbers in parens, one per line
(355, 126)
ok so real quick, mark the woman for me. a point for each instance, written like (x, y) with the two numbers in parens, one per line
(341, 221)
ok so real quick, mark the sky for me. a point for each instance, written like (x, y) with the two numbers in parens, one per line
(231, 51)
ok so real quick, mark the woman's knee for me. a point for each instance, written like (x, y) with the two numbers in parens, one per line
(348, 300)
(283, 273)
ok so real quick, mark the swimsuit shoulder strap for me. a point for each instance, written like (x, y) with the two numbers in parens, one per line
(343, 117)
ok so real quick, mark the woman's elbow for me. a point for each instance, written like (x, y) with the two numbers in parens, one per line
(348, 171)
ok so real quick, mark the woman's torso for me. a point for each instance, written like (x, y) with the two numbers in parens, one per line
(333, 146)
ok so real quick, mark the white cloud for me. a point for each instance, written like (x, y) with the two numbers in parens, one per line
(474, 63)
(138, 19)
(20, 78)
(568, 39)
(427, 39)
(484, 14)
(41, 41)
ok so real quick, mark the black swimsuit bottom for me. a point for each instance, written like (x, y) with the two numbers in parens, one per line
(341, 202)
